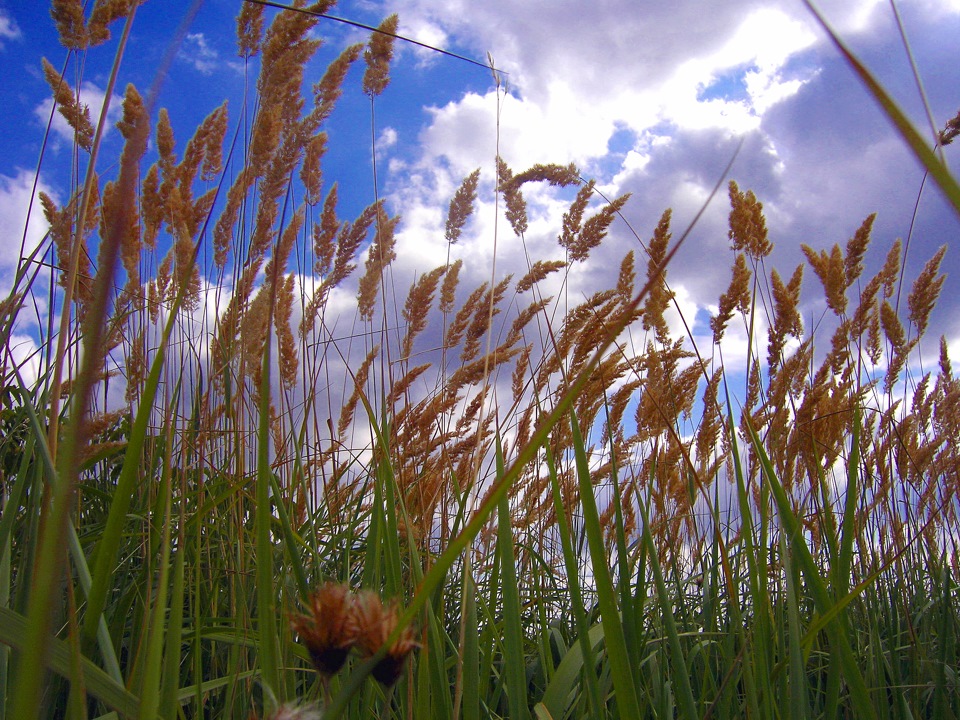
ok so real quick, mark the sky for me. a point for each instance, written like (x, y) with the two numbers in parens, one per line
(650, 98)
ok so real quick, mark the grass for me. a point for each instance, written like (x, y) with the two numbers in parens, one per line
(485, 502)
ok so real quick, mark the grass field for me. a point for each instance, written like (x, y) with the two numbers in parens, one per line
(487, 501)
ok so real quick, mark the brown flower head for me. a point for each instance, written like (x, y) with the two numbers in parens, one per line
(330, 629)
(375, 624)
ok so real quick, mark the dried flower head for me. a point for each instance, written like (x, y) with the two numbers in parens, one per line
(375, 624)
(330, 629)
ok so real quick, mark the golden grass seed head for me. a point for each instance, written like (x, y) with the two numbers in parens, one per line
(461, 207)
(378, 55)
(71, 109)
(926, 291)
(249, 29)
(68, 16)
(748, 228)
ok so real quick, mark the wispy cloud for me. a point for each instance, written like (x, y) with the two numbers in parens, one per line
(197, 52)
(8, 28)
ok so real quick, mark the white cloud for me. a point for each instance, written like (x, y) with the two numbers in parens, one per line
(8, 28)
(92, 96)
(17, 216)
(197, 52)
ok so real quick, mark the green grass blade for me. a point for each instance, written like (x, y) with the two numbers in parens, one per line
(13, 632)
(839, 642)
(627, 701)
(514, 663)
(267, 646)
(921, 150)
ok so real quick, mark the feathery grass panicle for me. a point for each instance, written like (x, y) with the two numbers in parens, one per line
(856, 249)
(573, 218)
(105, 13)
(359, 381)
(516, 207)
(448, 289)
(68, 16)
(537, 272)
(735, 297)
(830, 269)
(310, 173)
(658, 296)
(76, 114)
(926, 291)
(594, 230)
(461, 207)
(950, 131)
(748, 228)
(416, 308)
(63, 236)
(787, 322)
(249, 29)
(378, 55)
(328, 90)
(379, 257)
(287, 359)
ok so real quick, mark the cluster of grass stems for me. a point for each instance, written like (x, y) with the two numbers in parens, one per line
(549, 509)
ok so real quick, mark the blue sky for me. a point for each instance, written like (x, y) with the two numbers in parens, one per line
(648, 97)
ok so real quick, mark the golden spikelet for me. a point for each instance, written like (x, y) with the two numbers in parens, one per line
(925, 292)
(890, 273)
(379, 257)
(106, 12)
(831, 271)
(325, 234)
(516, 207)
(378, 55)
(856, 249)
(537, 272)
(310, 172)
(786, 316)
(748, 228)
(359, 380)
(416, 308)
(249, 29)
(330, 88)
(68, 16)
(76, 114)
(461, 207)
(287, 360)
(736, 297)
(595, 229)
(448, 289)
(658, 296)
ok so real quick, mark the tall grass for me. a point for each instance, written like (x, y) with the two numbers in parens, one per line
(481, 501)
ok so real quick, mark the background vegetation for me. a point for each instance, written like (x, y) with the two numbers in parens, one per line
(482, 502)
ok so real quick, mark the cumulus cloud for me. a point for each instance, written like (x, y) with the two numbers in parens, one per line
(656, 102)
